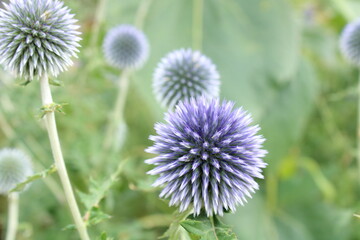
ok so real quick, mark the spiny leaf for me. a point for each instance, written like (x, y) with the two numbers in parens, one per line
(97, 191)
(25, 83)
(96, 216)
(56, 82)
(176, 231)
(203, 228)
(104, 236)
(32, 178)
(52, 107)
(69, 227)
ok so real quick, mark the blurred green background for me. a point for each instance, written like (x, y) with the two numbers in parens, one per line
(277, 58)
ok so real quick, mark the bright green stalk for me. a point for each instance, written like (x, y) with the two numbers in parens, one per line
(117, 115)
(99, 16)
(142, 13)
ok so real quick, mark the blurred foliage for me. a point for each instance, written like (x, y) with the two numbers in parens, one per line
(279, 59)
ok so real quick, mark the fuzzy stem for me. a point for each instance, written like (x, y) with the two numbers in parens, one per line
(358, 128)
(212, 221)
(99, 15)
(197, 29)
(13, 216)
(142, 13)
(59, 160)
(5, 126)
(117, 115)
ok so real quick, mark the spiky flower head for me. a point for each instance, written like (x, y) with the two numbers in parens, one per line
(350, 42)
(208, 157)
(126, 47)
(37, 37)
(183, 74)
(15, 167)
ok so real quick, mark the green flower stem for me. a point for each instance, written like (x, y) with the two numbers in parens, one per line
(59, 160)
(358, 128)
(117, 115)
(99, 16)
(5, 126)
(197, 29)
(13, 216)
(142, 13)
(212, 221)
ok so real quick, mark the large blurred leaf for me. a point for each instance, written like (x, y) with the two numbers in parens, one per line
(255, 45)
(300, 216)
(254, 39)
(348, 8)
(284, 118)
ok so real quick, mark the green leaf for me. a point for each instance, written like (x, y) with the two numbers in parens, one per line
(285, 114)
(56, 82)
(97, 216)
(25, 83)
(259, 40)
(348, 8)
(104, 236)
(93, 217)
(69, 227)
(203, 228)
(52, 107)
(32, 178)
(176, 231)
(98, 190)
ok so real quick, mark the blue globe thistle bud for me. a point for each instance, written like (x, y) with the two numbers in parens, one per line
(208, 157)
(350, 42)
(183, 74)
(126, 47)
(37, 37)
(15, 167)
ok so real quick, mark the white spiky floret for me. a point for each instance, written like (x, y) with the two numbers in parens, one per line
(15, 167)
(183, 74)
(38, 37)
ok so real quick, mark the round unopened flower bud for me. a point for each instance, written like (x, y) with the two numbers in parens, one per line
(208, 156)
(183, 74)
(126, 47)
(15, 167)
(37, 37)
(350, 42)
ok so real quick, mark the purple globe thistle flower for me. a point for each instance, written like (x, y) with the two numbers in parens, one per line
(208, 157)
(15, 167)
(350, 42)
(37, 37)
(126, 47)
(183, 74)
